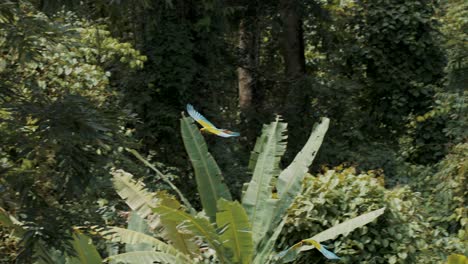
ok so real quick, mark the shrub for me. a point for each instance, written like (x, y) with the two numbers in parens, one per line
(60, 121)
(401, 235)
(443, 188)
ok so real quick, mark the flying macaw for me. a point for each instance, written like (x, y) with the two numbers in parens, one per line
(208, 126)
(297, 247)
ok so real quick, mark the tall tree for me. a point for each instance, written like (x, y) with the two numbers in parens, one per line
(295, 88)
(248, 48)
(292, 39)
(250, 93)
(60, 126)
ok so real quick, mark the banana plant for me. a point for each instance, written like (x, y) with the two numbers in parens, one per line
(210, 182)
(237, 232)
(457, 259)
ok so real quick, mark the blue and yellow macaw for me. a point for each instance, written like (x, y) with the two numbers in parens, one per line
(296, 247)
(207, 126)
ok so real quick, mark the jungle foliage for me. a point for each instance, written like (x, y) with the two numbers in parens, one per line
(87, 85)
(399, 236)
(236, 232)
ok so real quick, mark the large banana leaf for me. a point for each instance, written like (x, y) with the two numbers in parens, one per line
(136, 196)
(138, 224)
(86, 252)
(142, 201)
(130, 237)
(236, 234)
(290, 180)
(266, 248)
(457, 259)
(145, 257)
(348, 226)
(165, 179)
(183, 241)
(210, 183)
(341, 229)
(259, 190)
(197, 225)
(259, 145)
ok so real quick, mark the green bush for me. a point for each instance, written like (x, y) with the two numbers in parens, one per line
(402, 235)
(61, 123)
(444, 190)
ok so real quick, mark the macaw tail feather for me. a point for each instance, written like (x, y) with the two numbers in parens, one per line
(291, 253)
(328, 254)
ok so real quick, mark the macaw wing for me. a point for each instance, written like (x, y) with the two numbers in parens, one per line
(291, 253)
(198, 117)
(227, 133)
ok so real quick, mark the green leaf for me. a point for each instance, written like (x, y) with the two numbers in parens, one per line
(257, 198)
(210, 183)
(237, 233)
(457, 259)
(197, 225)
(180, 239)
(295, 172)
(344, 228)
(130, 237)
(290, 180)
(5, 219)
(86, 252)
(164, 178)
(145, 257)
(259, 145)
(143, 203)
(348, 226)
(266, 248)
(135, 195)
(138, 224)
(9, 221)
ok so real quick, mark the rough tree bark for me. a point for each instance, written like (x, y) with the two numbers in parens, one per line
(292, 39)
(295, 102)
(247, 47)
(250, 94)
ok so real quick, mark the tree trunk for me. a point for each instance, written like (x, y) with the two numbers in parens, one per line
(251, 96)
(292, 40)
(295, 93)
(248, 36)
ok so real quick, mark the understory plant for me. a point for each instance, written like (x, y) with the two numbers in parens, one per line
(226, 231)
(85, 251)
(404, 233)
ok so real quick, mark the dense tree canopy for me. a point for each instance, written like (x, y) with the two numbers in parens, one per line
(86, 83)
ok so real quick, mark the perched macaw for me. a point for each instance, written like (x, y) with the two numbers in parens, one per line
(207, 126)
